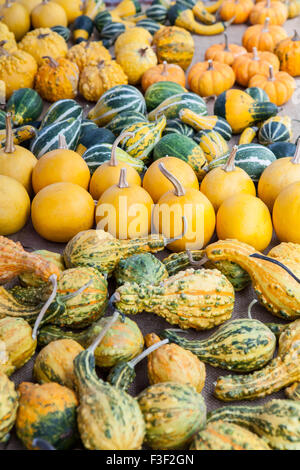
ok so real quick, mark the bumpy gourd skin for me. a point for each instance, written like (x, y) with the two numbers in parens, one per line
(191, 299)
(43, 42)
(8, 406)
(277, 291)
(293, 392)
(142, 268)
(17, 336)
(277, 422)
(281, 372)
(31, 279)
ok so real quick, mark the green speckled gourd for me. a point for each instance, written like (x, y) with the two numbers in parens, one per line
(108, 418)
(30, 279)
(8, 406)
(220, 435)
(176, 262)
(293, 392)
(173, 413)
(241, 345)
(198, 299)
(282, 371)
(122, 342)
(144, 268)
(29, 295)
(277, 422)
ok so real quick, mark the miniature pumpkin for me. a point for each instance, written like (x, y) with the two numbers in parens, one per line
(286, 214)
(72, 8)
(225, 52)
(88, 53)
(246, 218)
(279, 86)
(287, 51)
(264, 37)
(43, 42)
(17, 70)
(135, 59)
(240, 9)
(8, 406)
(174, 45)
(48, 14)
(275, 10)
(16, 17)
(253, 63)
(7, 38)
(210, 78)
(163, 72)
(132, 35)
(15, 205)
(47, 411)
(57, 79)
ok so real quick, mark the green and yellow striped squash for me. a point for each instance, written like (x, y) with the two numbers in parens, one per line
(63, 31)
(248, 135)
(151, 25)
(275, 129)
(258, 94)
(2, 119)
(172, 106)
(60, 111)
(8, 406)
(277, 422)
(199, 123)
(175, 126)
(102, 19)
(82, 28)
(157, 13)
(25, 105)
(112, 30)
(158, 92)
(212, 144)
(20, 134)
(123, 120)
(142, 268)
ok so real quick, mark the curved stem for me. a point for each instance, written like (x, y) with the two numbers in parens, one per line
(254, 301)
(103, 332)
(265, 27)
(229, 22)
(9, 142)
(167, 241)
(113, 158)
(179, 189)
(255, 54)
(62, 143)
(53, 279)
(123, 183)
(52, 62)
(146, 353)
(271, 73)
(296, 158)
(229, 165)
(197, 264)
(226, 48)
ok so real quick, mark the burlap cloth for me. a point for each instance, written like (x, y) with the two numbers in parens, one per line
(151, 323)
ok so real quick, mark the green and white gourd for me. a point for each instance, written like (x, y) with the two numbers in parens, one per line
(171, 107)
(61, 111)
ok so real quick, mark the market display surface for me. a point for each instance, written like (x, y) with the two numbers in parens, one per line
(180, 339)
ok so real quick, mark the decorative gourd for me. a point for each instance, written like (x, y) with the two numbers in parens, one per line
(108, 174)
(19, 135)
(16, 17)
(156, 184)
(48, 14)
(276, 289)
(142, 268)
(108, 418)
(225, 181)
(239, 9)
(264, 37)
(57, 79)
(293, 7)
(275, 129)
(257, 93)
(182, 299)
(54, 363)
(8, 406)
(17, 70)
(182, 147)
(135, 59)
(7, 38)
(277, 421)
(287, 51)
(88, 53)
(25, 105)
(241, 345)
(82, 28)
(43, 42)
(47, 411)
(73, 9)
(97, 79)
(212, 144)
(127, 8)
(60, 111)
(241, 110)
(130, 222)
(171, 363)
(132, 35)
(93, 7)
(214, 123)
(210, 78)
(15, 205)
(293, 392)
(248, 135)
(93, 135)
(174, 45)
(151, 25)
(161, 73)
(282, 149)
(282, 371)
(286, 214)
(275, 10)
(124, 119)
(279, 86)
(173, 413)
(172, 106)
(28, 279)
(114, 101)
(200, 12)
(112, 31)
(225, 52)
(252, 63)
(158, 92)
(176, 126)
(29, 4)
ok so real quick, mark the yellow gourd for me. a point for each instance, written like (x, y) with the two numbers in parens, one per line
(17, 70)
(125, 211)
(108, 173)
(245, 218)
(14, 205)
(16, 17)
(7, 38)
(225, 181)
(286, 214)
(29, 4)
(44, 42)
(73, 8)
(16, 161)
(48, 14)
(277, 176)
(88, 53)
(135, 59)
(184, 202)
(132, 35)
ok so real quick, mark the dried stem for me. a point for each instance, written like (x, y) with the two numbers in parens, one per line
(179, 189)
(123, 183)
(229, 165)
(9, 142)
(113, 158)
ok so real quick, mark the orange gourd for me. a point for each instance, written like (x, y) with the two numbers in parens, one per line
(279, 86)
(253, 63)
(288, 52)
(210, 78)
(238, 8)
(264, 37)
(161, 73)
(286, 214)
(225, 53)
(57, 79)
(276, 11)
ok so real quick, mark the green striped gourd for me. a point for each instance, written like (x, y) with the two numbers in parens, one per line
(293, 392)
(212, 144)
(142, 268)
(191, 299)
(145, 136)
(275, 129)
(220, 435)
(165, 3)
(108, 418)
(151, 25)
(157, 13)
(2, 119)
(91, 137)
(172, 106)
(119, 98)
(277, 422)
(63, 31)
(8, 406)
(282, 371)
(182, 147)
(48, 138)
(283, 149)
(112, 31)
(160, 91)
(176, 262)
(25, 105)
(102, 19)
(198, 122)
(173, 413)
(123, 120)
(82, 28)
(241, 345)
(175, 126)
(60, 111)
(258, 94)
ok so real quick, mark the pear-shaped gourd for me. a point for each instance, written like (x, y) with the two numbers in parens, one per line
(8, 406)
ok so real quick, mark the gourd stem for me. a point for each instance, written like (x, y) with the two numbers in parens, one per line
(296, 158)
(271, 73)
(255, 54)
(229, 22)
(101, 335)
(296, 36)
(226, 48)
(165, 68)
(146, 353)
(52, 62)
(62, 143)
(254, 301)
(78, 291)
(265, 28)
(229, 165)
(197, 264)
(275, 261)
(210, 64)
(179, 189)
(9, 142)
(113, 159)
(53, 280)
(268, 5)
(100, 64)
(123, 183)
(167, 241)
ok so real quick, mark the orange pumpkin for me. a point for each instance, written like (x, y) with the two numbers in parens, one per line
(264, 37)
(275, 10)
(57, 79)
(239, 8)
(225, 52)
(279, 86)
(210, 78)
(250, 64)
(288, 52)
(161, 73)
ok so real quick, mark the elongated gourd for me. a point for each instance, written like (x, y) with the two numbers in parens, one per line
(248, 135)
(199, 123)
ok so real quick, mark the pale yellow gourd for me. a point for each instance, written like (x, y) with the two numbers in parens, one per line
(48, 14)
(16, 17)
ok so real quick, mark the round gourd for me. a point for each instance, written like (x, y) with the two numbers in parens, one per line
(25, 105)
(264, 37)
(61, 210)
(282, 149)
(123, 120)
(16, 17)
(57, 79)
(279, 86)
(176, 126)
(286, 214)
(132, 35)
(92, 136)
(161, 73)
(16, 333)
(143, 268)
(14, 205)
(135, 59)
(210, 78)
(7, 38)
(257, 93)
(172, 106)
(43, 42)
(60, 111)
(245, 218)
(174, 45)
(88, 53)
(240, 9)
(48, 14)
(156, 184)
(225, 53)
(225, 181)
(73, 9)
(160, 91)
(63, 31)
(275, 129)
(287, 51)
(252, 63)
(17, 70)
(8, 407)
(29, 4)
(275, 10)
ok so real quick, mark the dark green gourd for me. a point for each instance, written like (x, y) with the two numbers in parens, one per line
(178, 127)
(25, 105)
(143, 268)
